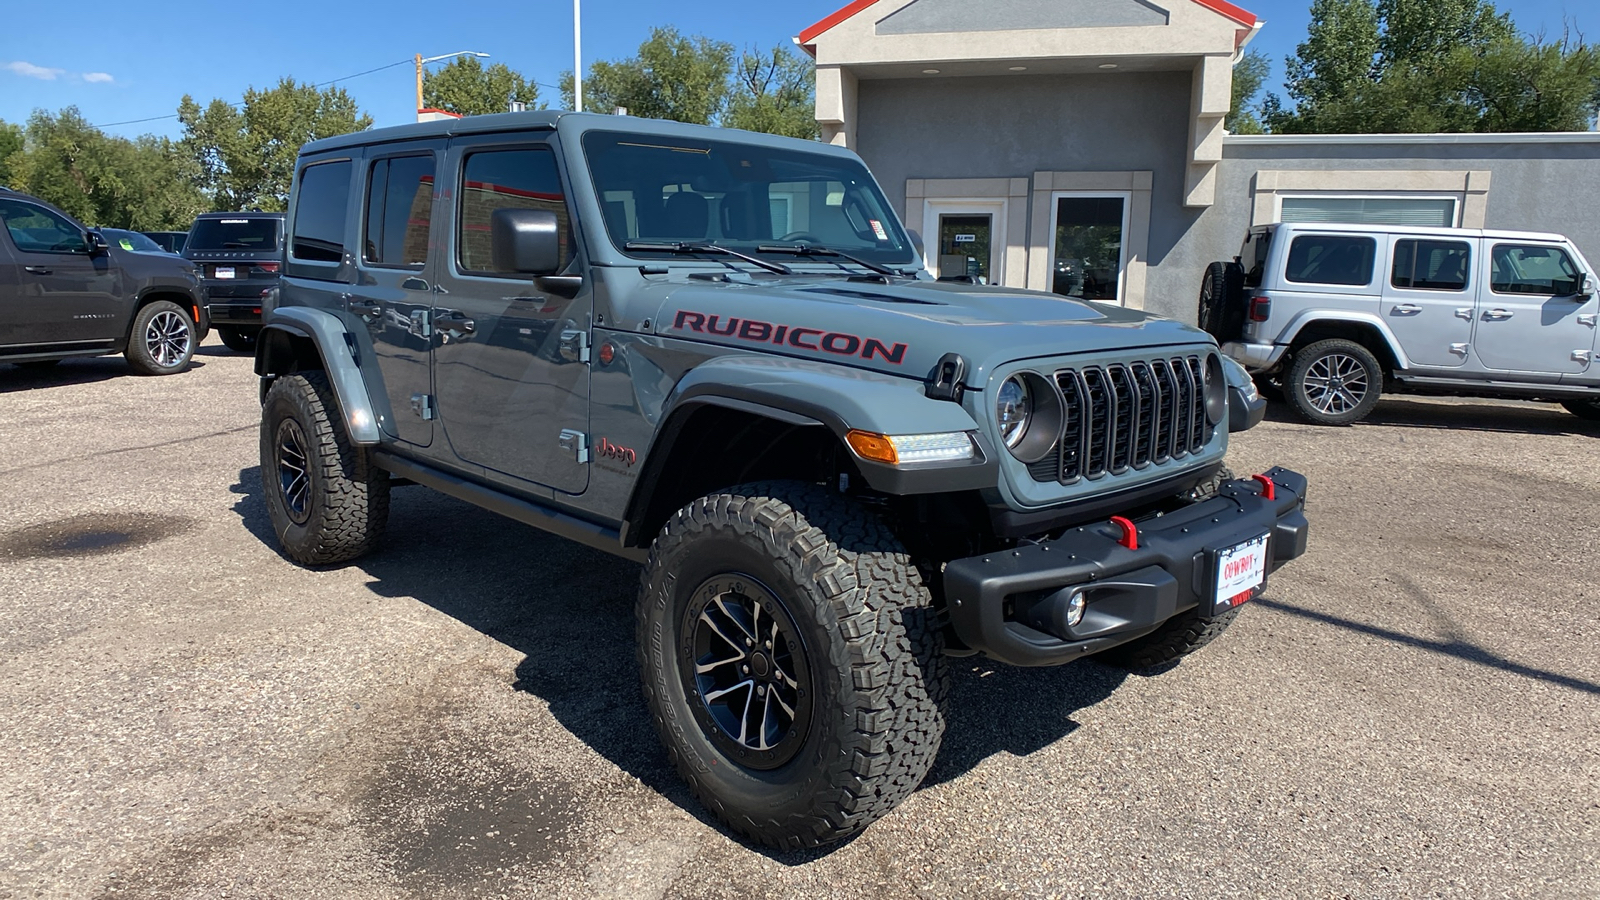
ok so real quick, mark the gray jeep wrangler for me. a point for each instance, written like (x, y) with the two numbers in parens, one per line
(717, 354)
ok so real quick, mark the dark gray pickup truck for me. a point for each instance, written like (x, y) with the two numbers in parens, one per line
(718, 354)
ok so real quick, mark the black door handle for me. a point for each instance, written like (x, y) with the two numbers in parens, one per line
(37, 270)
(363, 308)
(454, 321)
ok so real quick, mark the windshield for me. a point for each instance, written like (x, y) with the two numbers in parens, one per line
(234, 234)
(740, 196)
(130, 240)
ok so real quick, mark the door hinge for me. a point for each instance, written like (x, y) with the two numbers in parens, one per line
(575, 346)
(576, 443)
(421, 323)
(422, 405)
(1460, 349)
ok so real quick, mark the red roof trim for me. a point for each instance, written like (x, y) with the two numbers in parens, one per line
(442, 112)
(1222, 7)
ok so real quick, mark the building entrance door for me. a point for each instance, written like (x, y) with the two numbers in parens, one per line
(966, 247)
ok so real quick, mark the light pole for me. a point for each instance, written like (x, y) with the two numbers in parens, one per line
(421, 61)
(577, 56)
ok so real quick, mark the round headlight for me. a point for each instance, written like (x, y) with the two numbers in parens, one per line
(1216, 390)
(1012, 410)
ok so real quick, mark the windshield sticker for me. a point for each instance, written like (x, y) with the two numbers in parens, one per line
(877, 229)
(125, 243)
(813, 339)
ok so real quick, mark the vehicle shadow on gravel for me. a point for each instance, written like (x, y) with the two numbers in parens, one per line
(69, 372)
(569, 610)
(1482, 415)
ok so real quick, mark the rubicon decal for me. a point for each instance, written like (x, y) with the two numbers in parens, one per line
(755, 331)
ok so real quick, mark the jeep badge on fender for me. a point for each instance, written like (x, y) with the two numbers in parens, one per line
(717, 354)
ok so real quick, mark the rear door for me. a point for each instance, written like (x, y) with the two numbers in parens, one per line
(1329, 273)
(393, 295)
(1428, 299)
(1532, 317)
(63, 294)
(510, 366)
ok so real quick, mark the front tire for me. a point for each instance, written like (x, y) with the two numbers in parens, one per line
(792, 662)
(327, 501)
(237, 339)
(1333, 382)
(1584, 409)
(162, 340)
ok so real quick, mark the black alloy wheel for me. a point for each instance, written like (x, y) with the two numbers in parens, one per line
(294, 471)
(743, 659)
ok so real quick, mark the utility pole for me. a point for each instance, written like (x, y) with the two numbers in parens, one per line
(577, 56)
(419, 82)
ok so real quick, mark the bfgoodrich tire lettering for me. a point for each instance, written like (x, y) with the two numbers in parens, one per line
(872, 655)
(328, 503)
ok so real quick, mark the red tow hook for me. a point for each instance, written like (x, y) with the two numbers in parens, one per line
(1130, 532)
(1268, 491)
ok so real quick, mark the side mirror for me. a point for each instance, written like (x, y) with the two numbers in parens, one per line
(525, 240)
(1586, 290)
(96, 243)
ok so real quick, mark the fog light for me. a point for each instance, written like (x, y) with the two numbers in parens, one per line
(1075, 605)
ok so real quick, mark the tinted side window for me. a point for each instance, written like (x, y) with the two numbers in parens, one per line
(506, 179)
(1546, 271)
(1331, 259)
(35, 229)
(319, 218)
(1255, 259)
(1431, 265)
(399, 207)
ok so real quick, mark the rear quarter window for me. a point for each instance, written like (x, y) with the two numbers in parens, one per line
(321, 213)
(1331, 259)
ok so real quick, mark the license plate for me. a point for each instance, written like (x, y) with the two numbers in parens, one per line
(1241, 569)
(224, 271)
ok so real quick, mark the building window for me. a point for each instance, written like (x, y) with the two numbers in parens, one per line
(1421, 211)
(1089, 255)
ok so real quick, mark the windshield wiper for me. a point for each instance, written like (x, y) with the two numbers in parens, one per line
(814, 250)
(703, 247)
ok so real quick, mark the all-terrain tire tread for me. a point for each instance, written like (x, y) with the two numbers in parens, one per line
(893, 644)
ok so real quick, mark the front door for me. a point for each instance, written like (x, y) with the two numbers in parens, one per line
(63, 295)
(1428, 299)
(510, 362)
(1532, 317)
(966, 247)
(393, 296)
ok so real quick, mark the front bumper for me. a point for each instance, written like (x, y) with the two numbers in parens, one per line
(1011, 605)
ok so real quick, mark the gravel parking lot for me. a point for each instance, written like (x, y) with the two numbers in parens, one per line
(1413, 710)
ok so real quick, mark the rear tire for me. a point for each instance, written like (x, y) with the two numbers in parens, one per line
(1584, 409)
(327, 501)
(162, 340)
(237, 339)
(859, 701)
(1221, 312)
(1333, 382)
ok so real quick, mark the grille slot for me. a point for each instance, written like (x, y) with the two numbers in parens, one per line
(1125, 416)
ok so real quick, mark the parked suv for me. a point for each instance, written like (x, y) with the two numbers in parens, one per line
(1341, 313)
(716, 353)
(239, 255)
(170, 241)
(66, 292)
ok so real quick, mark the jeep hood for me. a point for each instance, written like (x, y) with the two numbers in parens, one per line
(902, 327)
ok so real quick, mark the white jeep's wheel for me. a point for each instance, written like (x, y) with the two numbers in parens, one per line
(1333, 382)
(791, 661)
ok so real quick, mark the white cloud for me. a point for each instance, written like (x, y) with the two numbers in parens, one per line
(29, 70)
(97, 78)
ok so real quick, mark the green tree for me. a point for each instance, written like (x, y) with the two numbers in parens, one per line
(1249, 73)
(104, 180)
(1372, 66)
(244, 156)
(465, 87)
(10, 143)
(773, 93)
(672, 77)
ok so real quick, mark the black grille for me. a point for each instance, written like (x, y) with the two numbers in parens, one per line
(1127, 416)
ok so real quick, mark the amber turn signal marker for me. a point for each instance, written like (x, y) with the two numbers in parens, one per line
(875, 447)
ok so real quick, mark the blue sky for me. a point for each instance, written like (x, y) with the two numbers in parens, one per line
(117, 62)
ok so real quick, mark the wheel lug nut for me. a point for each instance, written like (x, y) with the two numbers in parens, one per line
(761, 690)
(746, 669)
(769, 645)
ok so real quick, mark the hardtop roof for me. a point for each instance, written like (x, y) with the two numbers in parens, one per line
(1423, 230)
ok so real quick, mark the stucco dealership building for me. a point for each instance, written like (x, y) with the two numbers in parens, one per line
(1078, 146)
